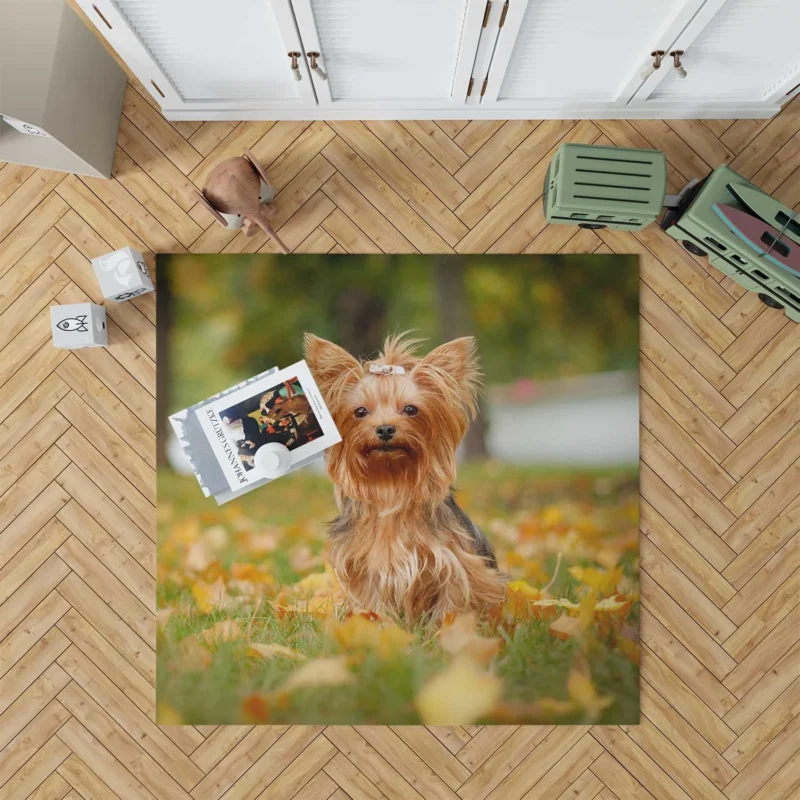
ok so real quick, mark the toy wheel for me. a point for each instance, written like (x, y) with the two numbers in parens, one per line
(693, 248)
(592, 226)
(769, 301)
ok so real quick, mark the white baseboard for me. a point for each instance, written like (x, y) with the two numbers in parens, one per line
(372, 111)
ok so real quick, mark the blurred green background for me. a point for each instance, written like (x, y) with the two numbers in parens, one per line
(536, 317)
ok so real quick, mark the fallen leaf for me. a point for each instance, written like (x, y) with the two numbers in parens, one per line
(212, 596)
(163, 615)
(255, 709)
(331, 671)
(459, 695)
(167, 715)
(270, 651)
(565, 627)
(583, 693)
(199, 556)
(229, 630)
(461, 636)
(604, 582)
(360, 632)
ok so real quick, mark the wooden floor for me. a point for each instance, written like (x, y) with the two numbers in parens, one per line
(720, 436)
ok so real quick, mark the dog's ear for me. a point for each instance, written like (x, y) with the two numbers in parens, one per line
(454, 366)
(332, 367)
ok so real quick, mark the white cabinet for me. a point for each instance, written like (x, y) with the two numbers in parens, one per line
(746, 52)
(335, 59)
(413, 52)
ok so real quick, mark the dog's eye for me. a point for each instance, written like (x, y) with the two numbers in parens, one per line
(360, 412)
(410, 411)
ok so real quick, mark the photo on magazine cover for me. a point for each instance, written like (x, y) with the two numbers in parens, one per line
(281, 414)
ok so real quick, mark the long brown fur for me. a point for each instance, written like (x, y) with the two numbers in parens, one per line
(400, 544)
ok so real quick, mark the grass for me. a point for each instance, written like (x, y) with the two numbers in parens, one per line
(256, 549)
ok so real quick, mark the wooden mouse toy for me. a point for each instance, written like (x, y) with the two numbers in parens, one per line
(234, 189)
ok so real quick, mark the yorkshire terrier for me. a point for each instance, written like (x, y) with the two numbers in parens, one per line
(401, 546)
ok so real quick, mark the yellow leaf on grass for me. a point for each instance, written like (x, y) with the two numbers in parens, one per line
(393, 641)
(604, 582)
(228, 630)
(583, 693)
(459, 695)
(167, 715)
(211, 596)
(461, 636)
(163, 615)
(321, 672)
(359, 632)
(565, 627)
(269, 651)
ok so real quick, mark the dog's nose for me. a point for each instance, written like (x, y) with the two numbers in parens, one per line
(385, 432)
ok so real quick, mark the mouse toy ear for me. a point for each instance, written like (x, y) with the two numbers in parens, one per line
(257, 167)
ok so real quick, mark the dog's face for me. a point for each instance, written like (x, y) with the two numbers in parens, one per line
(399, 431)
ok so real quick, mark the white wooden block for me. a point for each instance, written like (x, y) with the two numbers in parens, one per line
(122, 274)
(79, 325)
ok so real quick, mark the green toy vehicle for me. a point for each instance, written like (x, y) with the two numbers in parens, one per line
(605, 187)
(744, 232)
(702, 232)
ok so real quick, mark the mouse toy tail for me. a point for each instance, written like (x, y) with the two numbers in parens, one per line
(265, 226)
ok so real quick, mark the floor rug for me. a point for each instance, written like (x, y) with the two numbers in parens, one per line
(398, 489)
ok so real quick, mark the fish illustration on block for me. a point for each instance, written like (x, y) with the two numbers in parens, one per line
(77, 324)
(767, 241)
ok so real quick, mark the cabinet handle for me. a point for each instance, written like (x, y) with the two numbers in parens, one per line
(676, 60)
(657, 56)
(294, 55)
(313, 56)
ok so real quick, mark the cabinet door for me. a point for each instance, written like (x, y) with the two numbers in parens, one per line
(563, 55)
(206, 54)
(390, 53)
(746, 51)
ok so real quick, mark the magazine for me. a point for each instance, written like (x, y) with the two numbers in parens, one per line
(284, 407)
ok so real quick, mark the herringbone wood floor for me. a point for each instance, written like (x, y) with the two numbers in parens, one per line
(720, 420)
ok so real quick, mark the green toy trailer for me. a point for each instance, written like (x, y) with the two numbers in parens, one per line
(605, 187)
(608, 187)
(702, 232)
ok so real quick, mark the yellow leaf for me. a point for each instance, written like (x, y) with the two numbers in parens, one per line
(459, 695)
(461, 637)
(565, 627)
(199, 556)
(583, 692)
(228, 630)
(358, 632)
(211, 596)
(269, 651)
(604, 582)
(167, 715)
(321, 672)
(393, 641)
(163, 615)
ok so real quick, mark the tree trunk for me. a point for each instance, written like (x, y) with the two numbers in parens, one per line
(455, 320)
